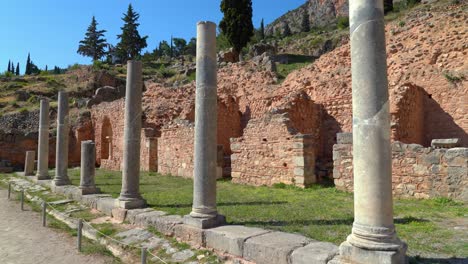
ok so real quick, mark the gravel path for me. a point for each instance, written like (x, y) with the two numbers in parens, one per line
(23, 240)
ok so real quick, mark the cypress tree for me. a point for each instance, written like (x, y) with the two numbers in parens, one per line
(305, 25)
(12, 69)
(9, 67)
(28, 65)
(388, 6)
(131, 43)
(236, 24)
(17, 72)
(262, 30)
(94, 43)
(286, 29)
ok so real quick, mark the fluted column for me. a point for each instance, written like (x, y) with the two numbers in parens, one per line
(61, 152)
(130, 195)
(373, 238)
(204, 213)
(43, 142)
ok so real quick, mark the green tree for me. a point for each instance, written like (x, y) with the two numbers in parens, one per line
(94, 43)
(12, 68)
(236, 24)
(28, 65)
(17, 72)
(191, 48)
(164, 49)
(305, 25)
(179, 46)
(286, 29)
(9, 66)
(131, 43)
(388, 6)
(262, 30)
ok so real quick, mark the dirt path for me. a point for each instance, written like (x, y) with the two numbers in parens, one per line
(23, 240)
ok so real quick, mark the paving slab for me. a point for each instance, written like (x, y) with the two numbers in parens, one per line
(314, 253)
(230, 239)
(134, 236)
(274, 247)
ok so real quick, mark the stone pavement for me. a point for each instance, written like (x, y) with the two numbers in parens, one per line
(23, 240)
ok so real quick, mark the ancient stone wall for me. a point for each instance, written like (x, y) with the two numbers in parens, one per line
(417, 171)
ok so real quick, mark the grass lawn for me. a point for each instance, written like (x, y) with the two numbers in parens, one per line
(434, 227)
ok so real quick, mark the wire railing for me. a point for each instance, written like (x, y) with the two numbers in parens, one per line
(80, 223)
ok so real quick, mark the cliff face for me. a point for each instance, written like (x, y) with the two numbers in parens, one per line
(321, 13)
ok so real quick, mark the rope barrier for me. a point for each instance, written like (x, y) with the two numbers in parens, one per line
(144, 250)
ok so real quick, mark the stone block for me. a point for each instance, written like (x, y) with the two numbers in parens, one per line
(130, 204)
(299, 171)
(351, 254)
(344, 138)
(274, 247)
(457, 157)
(166, 224)
(105, 205)
(119, 214)
(445, 143)
(131, 214)
(92, 199)
(230, 239)
(148, 218)
(298, 161)
(205, 223)
(314, 253)
(192, 235)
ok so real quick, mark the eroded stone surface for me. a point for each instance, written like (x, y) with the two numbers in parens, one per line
(230, 239)
(314, 253)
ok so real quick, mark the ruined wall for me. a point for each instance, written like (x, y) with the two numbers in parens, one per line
(417, 171)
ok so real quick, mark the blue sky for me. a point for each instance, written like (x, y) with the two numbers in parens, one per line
(51, 29)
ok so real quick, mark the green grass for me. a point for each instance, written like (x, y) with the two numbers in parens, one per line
(319, 212)
(295, 62)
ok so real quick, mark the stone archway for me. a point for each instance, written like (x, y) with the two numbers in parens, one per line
(106, 139)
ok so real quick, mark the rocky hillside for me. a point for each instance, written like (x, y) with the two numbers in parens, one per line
(321, 13)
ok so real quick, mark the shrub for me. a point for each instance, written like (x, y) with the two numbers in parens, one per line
(99, 65)
(165, 73)
(75, 66)
(453, 77)
(342, 22)
(401, 23)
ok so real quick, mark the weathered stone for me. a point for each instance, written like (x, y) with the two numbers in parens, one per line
(457, 157)
(167, 224)
(134, 236)
(87, 172)
(192, 235)
(133, 213)
(61, 153)
(29, 163)
(445, 143)
(43, 143)
(360, 255)
(148, 218)
(230, 239)
(182, 256)
(119, 214)
(274, 247)
(314, 253)
(105, 205)
(130, 197)
(344, 138)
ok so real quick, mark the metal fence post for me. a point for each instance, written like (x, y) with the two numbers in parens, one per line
(44, 213)
(79, 234)
(22, 200)
(9, 190)
(143, 255)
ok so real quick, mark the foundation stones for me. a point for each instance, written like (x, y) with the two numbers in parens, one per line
(61, 160)
(373, 238)
(130, 196)
(88, 160)
(204, 213)
(29, 163)
(43, 142)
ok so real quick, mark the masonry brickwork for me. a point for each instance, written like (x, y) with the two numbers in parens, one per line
(418, 172)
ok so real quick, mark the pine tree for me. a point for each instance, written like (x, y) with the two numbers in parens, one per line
(17, 72)
(286, 29)
(9, 67)
(94, 43)
(262, 30)
(236, 24)
(28, 65)
(305, 25)
(131, 43)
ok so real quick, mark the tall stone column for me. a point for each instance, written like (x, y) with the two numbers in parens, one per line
(88, 162)
(130, 196)
(29, 163)
(204, 213)
(373, 238)
(43, 142)
(61, 149)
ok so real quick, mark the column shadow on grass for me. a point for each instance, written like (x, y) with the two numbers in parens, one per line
(218, 204)
(424, 260)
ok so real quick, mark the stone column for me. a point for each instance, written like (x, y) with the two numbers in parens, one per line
(61, 150)
(373, 238)
(29, 163)
(88, 161)
(130, 196)
(43, 142)
(204, 213)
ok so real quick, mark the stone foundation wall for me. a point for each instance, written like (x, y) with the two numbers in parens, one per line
(417, 171)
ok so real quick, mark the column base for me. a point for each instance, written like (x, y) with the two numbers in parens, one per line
(43, 177)
(84, 190)
(355, 255)
(205, 222)
(61, 181)
(130, 203)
